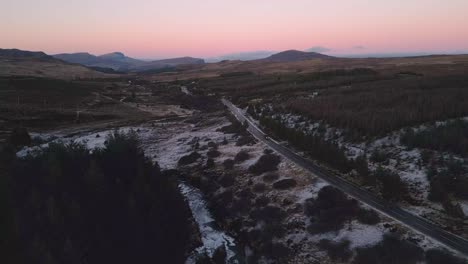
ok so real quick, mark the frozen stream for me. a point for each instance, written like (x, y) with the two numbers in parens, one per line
(212, 238)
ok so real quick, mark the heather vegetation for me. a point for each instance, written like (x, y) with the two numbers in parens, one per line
(266, 163)
(390, 250)
(332, 209)
(70, 205)
(449, 180)
(337, 251)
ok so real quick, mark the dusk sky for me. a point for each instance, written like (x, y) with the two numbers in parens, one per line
(207, 28)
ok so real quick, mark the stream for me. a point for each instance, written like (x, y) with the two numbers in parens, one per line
(211, 235)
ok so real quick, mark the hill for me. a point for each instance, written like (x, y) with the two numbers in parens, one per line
(119, 62)
(169, 63)
(16, 53)
(295, 55)
(14, 62)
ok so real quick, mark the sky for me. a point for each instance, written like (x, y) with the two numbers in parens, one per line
(210, 28)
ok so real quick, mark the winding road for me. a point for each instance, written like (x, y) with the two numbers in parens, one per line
(412, 221)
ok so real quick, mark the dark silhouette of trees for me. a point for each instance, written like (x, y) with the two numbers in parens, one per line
(314, 145)
(112, 205)
(241, 156)
(330, 210)
(266, 163)
(376, 108)
(19, 137)
(362, 168)
(452, 137)
(393, 188)
(451, 180)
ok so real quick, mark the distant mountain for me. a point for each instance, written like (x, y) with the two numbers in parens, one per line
(243, 56)
(169, 63)
(295, 55)
(80, 58)
(14, 62)
(17, 54)
(119, 62)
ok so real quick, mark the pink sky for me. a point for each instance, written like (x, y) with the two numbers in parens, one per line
(205, 28)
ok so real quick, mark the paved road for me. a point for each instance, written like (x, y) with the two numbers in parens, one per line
(413, 221)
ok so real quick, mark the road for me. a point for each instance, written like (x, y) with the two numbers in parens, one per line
(412, 221)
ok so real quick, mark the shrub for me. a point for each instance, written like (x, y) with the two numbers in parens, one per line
(259, 187)
(368, 217)
(210, 163)
(262, 201)
(269, 177)
(212, 145)
(267, 151)
(228, 164)
(219, 255)
(245, 140)
(272, 230)
(393, 188)
(276, 250)
(362, 168)
(213, 153)
(330, 210)
(285, 184)
(452, 180)
(269, 213)
(337, 251)
(242, 156)
(267, 162)
(189, 159)
(379, 156)
(226, 180)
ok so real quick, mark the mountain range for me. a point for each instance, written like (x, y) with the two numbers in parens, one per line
(120, 62)
(117, 62)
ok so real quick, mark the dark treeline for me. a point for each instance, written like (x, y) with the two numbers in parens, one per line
(451, 137)
(376, 108)
(111, 205)
(336, 73)
(314, 145)
(243, 87)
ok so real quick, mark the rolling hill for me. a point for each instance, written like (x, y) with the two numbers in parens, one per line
(14, 62)
(295, 55)
(119, 62)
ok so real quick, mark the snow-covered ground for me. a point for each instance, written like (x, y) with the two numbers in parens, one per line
(401, 160)
(167, 142)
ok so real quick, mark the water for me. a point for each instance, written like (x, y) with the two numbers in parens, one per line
(212, 237)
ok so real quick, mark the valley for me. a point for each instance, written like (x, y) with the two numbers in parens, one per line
(313, 160)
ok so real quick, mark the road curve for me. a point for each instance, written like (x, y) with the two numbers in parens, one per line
(412, 221)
